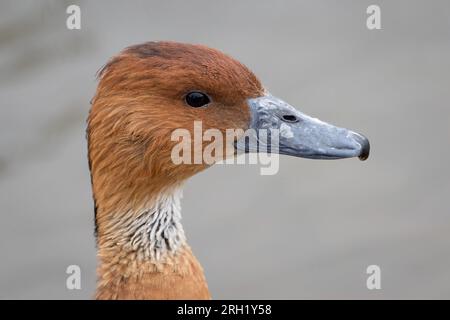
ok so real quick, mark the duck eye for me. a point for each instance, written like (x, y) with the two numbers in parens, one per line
(197, 99)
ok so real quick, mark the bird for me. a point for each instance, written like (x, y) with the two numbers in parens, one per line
(144, 93)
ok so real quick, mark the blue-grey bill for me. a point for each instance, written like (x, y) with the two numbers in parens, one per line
(280, 128)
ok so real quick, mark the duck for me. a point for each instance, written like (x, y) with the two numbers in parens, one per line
(144, 93)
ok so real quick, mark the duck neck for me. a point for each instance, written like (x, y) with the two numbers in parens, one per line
(143, 253)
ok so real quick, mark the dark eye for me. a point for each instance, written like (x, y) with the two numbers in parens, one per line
(197, 99)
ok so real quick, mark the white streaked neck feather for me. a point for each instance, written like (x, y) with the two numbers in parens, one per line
(154, 232)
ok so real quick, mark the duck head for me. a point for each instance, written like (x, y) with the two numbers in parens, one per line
(149, 90)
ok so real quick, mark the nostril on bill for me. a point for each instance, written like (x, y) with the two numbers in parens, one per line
(289, 118)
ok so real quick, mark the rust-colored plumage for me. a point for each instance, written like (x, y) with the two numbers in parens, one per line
(138, 103)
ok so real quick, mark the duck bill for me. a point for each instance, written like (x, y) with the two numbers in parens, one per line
(280, 128)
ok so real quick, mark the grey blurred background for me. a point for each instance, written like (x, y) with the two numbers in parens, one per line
(308, 232)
